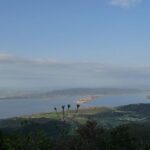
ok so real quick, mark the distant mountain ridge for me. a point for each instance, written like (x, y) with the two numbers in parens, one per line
(69, 92)
(92, 91)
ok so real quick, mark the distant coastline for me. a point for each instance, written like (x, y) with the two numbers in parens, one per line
(88, 99)
(88, 93)
(148, 97)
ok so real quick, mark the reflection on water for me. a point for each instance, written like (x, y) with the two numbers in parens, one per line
(16, 107)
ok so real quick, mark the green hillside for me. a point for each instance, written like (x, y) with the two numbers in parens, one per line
(107, 117)
(120, 128)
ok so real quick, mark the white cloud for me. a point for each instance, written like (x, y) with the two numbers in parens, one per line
(6, 57)
(125, 3)
(9, 58)
(31, 73)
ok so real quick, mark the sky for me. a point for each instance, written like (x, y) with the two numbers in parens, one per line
(74, 43)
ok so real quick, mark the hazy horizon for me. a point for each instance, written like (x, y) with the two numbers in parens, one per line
(64, 44)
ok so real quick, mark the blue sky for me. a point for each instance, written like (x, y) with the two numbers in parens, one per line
(110, 33)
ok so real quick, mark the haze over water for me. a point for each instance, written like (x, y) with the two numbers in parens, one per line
(19, 106)
(57, 45)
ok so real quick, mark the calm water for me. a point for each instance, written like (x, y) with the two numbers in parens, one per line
(16, 107)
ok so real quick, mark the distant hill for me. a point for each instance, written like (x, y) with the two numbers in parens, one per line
(92, 91)
(68, 92)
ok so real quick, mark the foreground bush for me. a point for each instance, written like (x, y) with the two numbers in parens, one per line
(85, 137)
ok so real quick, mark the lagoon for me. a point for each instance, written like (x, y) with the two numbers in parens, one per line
(19, 107)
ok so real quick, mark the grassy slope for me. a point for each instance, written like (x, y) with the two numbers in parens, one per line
(108, 117)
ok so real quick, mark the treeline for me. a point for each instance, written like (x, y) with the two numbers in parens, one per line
(89, 136)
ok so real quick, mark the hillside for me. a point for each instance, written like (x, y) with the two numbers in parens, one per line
(107, 117)
(122, 128)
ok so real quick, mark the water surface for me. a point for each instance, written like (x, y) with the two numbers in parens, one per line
(16, 107)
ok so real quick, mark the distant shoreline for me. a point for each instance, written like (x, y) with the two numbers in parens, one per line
(88, 99)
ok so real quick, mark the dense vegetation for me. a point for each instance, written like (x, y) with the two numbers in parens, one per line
(64, 134)
(89, 136)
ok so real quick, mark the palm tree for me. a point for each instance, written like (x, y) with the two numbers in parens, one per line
(78, 106)
(68, 106)
(63, 111)
(55, 109)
